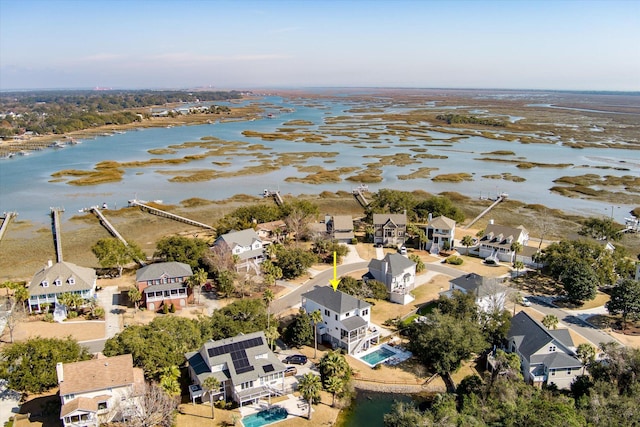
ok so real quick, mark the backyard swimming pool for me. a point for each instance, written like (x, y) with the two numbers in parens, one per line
(378, 356)
(263, 418)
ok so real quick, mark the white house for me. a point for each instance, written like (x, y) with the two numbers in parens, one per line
(489, 293)
(547, 356)
(345, 319)
(56, 279)
(246, 245)
(497, 240)
(440, 233)
(244, 365)
(398, 273)
(390, 229)
(98, 390)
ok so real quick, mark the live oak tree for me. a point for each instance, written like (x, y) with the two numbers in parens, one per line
(299, 332)
(111, 252)
(579, 282)
(625, 300)
(181, 249)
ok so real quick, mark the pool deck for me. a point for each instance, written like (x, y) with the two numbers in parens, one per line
(400, 355)
(295, 406)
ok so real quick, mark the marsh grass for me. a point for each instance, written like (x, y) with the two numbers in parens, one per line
(368, 176)
(525, 165)
(499, 153)
(161, 151)
(506, 176)
(453, 177)
(424, 172)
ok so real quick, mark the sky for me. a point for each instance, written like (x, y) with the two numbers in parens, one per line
(131, 44)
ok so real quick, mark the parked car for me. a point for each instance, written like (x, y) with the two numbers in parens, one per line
(403, 250)
(291, 370)
(296, 359)
(526, 302)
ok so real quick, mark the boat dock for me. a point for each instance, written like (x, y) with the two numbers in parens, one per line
(8, 216)
(56, 229)
(106, 224)
(358, 193)
(500, 198)
(164, 214)
(276, 196)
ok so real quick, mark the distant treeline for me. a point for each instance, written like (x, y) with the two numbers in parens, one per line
(60, 112)
(458, 119)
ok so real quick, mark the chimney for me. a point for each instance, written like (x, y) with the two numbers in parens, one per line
(430, 217)
(60, 372)
(491, 221)
(49, 263)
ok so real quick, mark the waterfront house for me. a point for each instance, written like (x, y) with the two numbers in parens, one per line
(274, 231)
(53, 280)
(244, 365)
(246, 245)
(489, 293)
(398, 273)
(497, 240)
(340, 228)
(346, 320)
(440, 233)
(99, 390)
(164, 283)
(547, 356)
(390, 229)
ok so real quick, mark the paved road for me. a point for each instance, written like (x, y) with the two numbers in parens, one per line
(574, 323)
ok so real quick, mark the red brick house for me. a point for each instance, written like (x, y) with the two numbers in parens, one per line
(164, 283)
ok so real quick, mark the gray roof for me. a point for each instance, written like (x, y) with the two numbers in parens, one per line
(480, 286)
(397, 263)
(242, 238)
(159, 269)
(242, 349)
(442, 222)
(531, 335)
(500, 235)
(336, 301)
(84, 278)
(397, 219)
(559, 360)
(353, 322)
(164, 287)
(342, 222)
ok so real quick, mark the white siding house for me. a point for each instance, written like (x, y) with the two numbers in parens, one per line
(440, 234)
(246, 245)
(398, 273)
(497, 240)
(53, 280)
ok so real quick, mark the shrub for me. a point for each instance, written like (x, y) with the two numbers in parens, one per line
(354, 241)
(172, 308)
(455, 260)
(165, 308)
(48, 317)
(72, 314)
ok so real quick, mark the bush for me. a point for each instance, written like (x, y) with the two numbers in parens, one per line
(455, 260)
(165, 308)
(354, 241)
(72, 314)
(48, 317)
(172, 308)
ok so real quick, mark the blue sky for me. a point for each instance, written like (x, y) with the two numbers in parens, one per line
(574, 45)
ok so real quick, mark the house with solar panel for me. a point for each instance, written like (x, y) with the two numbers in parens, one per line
(244, 365)
(246, 245)
(346, 320)
(164, 283)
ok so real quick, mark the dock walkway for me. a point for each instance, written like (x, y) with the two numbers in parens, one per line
(57, 236)
(111, 229)
(5, 223)
(498, 200)
(359, 195)
(165, 214)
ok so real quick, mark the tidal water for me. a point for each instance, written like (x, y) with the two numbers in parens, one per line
(26, 183)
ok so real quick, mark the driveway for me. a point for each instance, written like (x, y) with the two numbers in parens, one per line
(9, 402)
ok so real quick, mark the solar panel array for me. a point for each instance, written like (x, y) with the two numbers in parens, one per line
(237, 351)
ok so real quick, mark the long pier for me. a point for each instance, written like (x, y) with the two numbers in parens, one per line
(8, 216)
(164, 214)
(359, 195)
(112, 230)
(276, 196)
(498, 200)
(57, 237)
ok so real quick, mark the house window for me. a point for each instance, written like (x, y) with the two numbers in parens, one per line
(327, 312)
(552, 348)
(365, 311)
(553, 371)
(102, 405)
(72, 281)
(68, 397)
(58, 282)
(347, 314)
(336, 317)
(174, 292)
(45, 284)
(568, 371)
(248, 384)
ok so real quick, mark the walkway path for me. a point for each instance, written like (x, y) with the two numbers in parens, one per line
(109, 299)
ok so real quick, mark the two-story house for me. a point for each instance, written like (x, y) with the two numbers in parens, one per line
(345, 319)
(56, 279)
(164, 283)
(98, 390)
(440, 233)
(246, 245)
(489, 293)
(245, 367)
(547, 356)
(340, 228)
(398, 273)
(272, 232)
(390, 229)
(497, 240)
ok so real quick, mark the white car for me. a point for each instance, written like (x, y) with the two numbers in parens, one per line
(403, 250)
(526, 302)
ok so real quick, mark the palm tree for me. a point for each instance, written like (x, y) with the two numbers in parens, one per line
(169, 380)
(309, 387)
(515, 248)
(516, 298)
(587, 354)
(334, 364)
(466, 242)
(518, 265)
(334, 386)
(550, 321)
(267, 297)
(211, 384)
(197, 281)
(316, 317)
(272, 334)
(135, 296)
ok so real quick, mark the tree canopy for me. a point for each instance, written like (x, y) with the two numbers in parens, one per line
(625, 300)
(111, 252)
(181, 249)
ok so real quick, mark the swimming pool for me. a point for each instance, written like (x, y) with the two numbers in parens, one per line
(265, 417)
(378, 356)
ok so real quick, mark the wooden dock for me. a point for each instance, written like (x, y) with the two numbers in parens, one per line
(56, 229)
(164, 214)
(276, 196)
(498, 200)
(111, 229)
(359, 195)
(8, 216)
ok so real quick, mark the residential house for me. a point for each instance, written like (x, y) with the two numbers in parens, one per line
(98, 390)
(497, 240)
(164, 283)
(489, 293)
(547, 356)
(340, 228)
(398, 273)
(246, 245)
(244, 365)
(345, 319)
(53, 280)
(272, 232)
(390, 229)
(440, 233)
